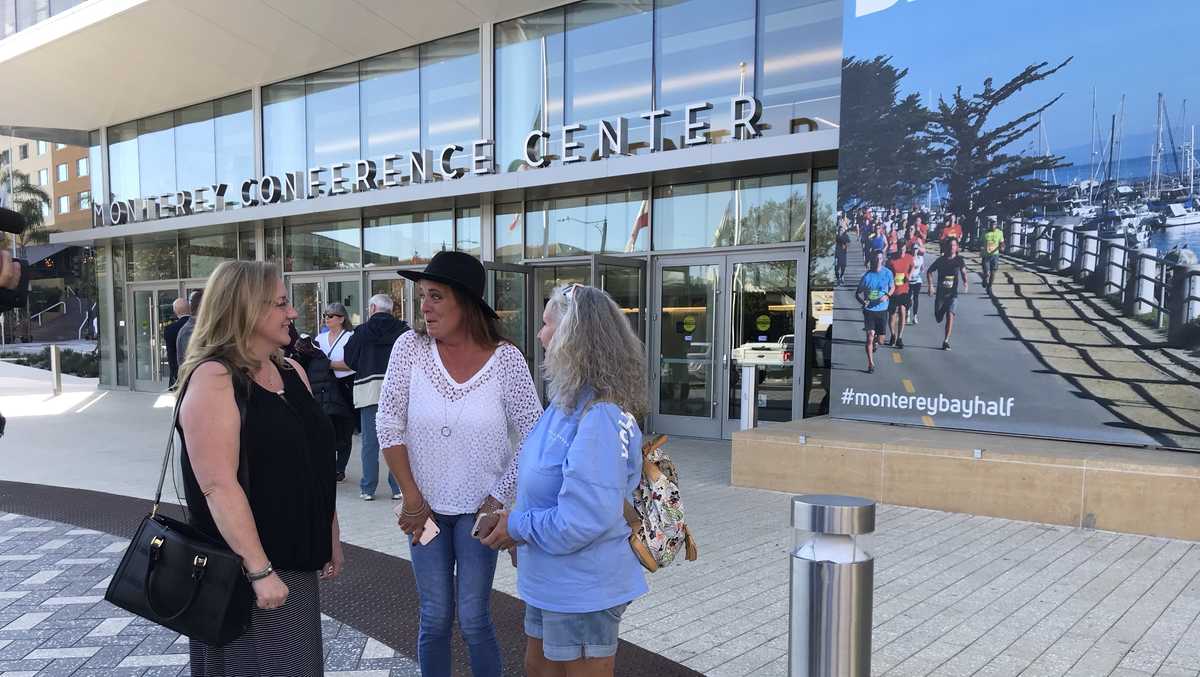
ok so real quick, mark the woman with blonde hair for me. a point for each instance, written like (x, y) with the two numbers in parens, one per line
(576, 571)
(256, 469)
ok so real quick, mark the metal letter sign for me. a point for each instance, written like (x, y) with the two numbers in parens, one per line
(426, 165)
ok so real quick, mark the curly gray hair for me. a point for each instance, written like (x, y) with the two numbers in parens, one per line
(595, 349)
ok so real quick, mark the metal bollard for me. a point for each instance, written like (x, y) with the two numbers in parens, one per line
(749, 399)
(56, 369)
(832, 587)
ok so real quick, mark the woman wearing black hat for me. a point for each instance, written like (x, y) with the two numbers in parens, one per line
(456, 405)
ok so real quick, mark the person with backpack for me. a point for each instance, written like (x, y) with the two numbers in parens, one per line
(340, 329)
(576, 570)
(330, 394)
(367, 354)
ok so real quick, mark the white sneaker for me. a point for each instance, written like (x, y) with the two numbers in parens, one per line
(397, 496)
(366, 497)
(915, 320)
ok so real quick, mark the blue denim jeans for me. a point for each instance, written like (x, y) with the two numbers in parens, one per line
(434, 568)
(370, 454)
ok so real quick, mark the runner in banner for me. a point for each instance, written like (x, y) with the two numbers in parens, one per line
(901, 265)
(947, 271)
(874, 291)
(993, 244)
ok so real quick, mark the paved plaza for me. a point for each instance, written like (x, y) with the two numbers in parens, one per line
(955, 594)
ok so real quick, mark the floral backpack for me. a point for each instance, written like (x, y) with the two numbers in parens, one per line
(655, 515)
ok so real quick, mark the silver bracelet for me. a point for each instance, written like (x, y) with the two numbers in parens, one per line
(259, 575)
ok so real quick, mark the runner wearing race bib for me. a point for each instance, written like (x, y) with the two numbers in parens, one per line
(947, 271)
(901, 265)
(874, 293)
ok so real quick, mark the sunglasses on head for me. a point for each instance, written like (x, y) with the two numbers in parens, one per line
(569, 291)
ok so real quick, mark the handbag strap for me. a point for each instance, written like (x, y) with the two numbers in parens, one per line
(169, 452)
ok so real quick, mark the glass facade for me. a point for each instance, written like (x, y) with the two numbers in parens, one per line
(603, 223)
(420, 97)
(600, 59)
(407, 239)
(578, 63)
(17, 15)
(189, 148)
(760, 210)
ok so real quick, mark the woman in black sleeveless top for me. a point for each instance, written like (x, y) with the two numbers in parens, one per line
(256, 470)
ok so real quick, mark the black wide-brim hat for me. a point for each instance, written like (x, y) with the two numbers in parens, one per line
(459, 270)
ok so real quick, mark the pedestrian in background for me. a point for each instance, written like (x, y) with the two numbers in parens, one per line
(576, 570)
(171, 334)
(185, 332)
(243, 401)
(367, 353)
(333, 344)
(457, 402)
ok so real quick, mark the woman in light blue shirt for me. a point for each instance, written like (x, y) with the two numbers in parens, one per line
(576, 571)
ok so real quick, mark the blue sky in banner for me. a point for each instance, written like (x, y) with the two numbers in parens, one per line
(1120, 47)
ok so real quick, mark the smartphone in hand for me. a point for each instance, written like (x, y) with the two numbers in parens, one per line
(430, 531)
(484, 523)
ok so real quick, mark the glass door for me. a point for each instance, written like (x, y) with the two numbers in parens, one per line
(310, 295)
(765, 313)
(398, 289)
(686, 378)
(152, 312)
(508, 293)
(625, 281)
(707, 307)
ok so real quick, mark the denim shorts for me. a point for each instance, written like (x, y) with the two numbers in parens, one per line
(568, 637)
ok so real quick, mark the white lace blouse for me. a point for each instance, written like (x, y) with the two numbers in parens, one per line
(462, 438)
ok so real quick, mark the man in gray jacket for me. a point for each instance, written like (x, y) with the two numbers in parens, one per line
(185, 332)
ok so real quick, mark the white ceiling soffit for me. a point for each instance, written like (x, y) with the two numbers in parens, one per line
(104, 62)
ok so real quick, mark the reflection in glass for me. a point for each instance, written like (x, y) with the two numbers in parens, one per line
(306, 299)
(104, 341)
(407, 238)
(199, 254)
(819, 349)
(703, 51)
(331, 116)
(283, 127)
(156, 154)
(799, 62)
(763, 310)
(151, 257)
(247, 246)
(467, 232)
(509, 296)
(608, 64)
(119, 319)
(322, 246)
(195, 156)
(273, 245)
(8, 17)
(688, 332)
(349, 294)
(529, 84)
(624, 285)
(143, 331)
(450, 93)
(123, 161)
(607, 222)
(508, 233)
(397, 290)
(757, 210)
(389, 90)
(234, 134)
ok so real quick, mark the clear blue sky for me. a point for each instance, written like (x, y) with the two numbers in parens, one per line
(1132, 47)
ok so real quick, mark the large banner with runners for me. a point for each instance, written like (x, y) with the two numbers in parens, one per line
(1018, 218)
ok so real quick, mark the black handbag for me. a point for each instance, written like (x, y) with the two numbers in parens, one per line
(180, 578)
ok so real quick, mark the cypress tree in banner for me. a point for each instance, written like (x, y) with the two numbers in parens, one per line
(886, 159)
(981, 176)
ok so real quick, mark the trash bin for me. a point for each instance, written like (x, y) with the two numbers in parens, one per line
(832, 580)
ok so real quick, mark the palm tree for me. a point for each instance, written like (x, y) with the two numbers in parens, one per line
(31, 202)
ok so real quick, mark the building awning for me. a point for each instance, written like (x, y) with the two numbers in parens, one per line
(43, 251)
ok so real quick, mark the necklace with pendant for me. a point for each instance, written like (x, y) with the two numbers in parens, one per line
(448, 430)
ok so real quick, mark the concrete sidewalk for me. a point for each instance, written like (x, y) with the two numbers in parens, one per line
(955, 594)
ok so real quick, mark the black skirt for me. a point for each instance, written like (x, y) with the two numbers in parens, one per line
(283, 642)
